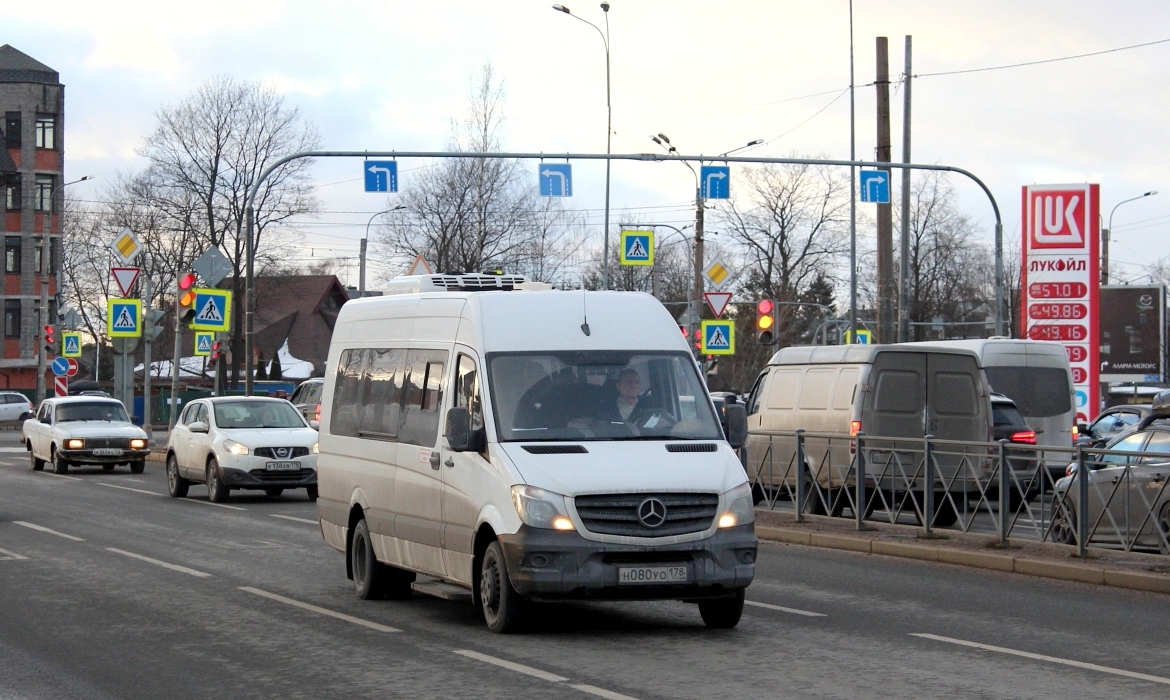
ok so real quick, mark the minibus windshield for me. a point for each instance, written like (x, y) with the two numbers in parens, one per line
(613, 395)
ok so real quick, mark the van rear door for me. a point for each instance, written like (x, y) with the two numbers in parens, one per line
(954, 403)
(895, 403)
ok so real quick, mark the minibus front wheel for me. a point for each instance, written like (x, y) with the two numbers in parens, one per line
(503, 607)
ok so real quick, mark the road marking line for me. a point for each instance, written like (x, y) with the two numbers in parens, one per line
(209, 503)
(1050, 659)
(10, 555)
(323, 611)
(13, 449)
(156, 493)
(600, 692)
(165, 565)
(781, 608)
(299, 520)
(512, 666)
(42, 528)
(62, 476)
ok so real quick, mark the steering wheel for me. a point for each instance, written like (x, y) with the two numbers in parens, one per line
(641, 418)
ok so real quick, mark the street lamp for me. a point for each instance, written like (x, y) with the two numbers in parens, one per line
(362, 254)
(46, 263)
(608, 132)
(1105, 235)
(675, 229)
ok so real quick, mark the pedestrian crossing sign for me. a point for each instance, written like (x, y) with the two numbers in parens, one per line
(637, 248)
(70, 344)
(718, 337)
(124, 318)
(203, 341)
(213, 309)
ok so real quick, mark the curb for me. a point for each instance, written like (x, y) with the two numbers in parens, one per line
(1082, 573)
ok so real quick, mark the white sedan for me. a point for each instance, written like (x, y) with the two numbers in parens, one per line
(75, 430)
(236, 442)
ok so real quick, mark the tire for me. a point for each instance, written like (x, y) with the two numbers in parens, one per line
(216, 491)
(503, 608)
(273, 493)
(108, 467)
(311, 492)
(60, 464)
(945, 514)
(1163, 524)
(722, 613)
(1064, 525)
(138, 466)
(176, 485)
(373, 580)
(37, 463)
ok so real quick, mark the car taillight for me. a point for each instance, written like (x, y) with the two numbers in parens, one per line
(854, 428)
(1027, 437)
(318, 413)
(1070, 469)
(1076, 433)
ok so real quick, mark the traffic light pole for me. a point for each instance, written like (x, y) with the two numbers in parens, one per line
(42, 350)
(147, 339)
(173, 410)
(250, 292)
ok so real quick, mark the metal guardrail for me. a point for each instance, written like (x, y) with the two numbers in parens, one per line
(1078, 496)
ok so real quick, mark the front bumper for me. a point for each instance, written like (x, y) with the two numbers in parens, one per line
(558, 565)
(263, 479)
(84, 456)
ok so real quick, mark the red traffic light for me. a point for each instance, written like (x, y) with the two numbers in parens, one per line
(187, 281)
(764, 306)
(686, 333)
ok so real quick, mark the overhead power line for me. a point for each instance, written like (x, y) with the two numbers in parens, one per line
(1046, 60)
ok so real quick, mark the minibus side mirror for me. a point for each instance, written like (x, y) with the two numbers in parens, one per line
(737, 431)
(458, 430)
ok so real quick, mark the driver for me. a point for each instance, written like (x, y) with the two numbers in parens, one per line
(629, 387)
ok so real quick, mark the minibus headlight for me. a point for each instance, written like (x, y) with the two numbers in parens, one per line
(540, 508)
(236, 448)
(740, 507)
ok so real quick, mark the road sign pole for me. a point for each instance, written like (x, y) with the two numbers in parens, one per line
(172, 408)
(148, 328)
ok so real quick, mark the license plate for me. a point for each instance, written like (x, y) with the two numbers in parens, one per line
(107, 452)
(282, 466)
(652, 574)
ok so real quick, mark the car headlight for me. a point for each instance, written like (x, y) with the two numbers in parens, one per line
(316, 448)
(137, 444)
(740, 507)
(540, 508)
(74, 444)
(236, 448)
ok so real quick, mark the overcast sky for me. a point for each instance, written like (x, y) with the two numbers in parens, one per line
(712, 75)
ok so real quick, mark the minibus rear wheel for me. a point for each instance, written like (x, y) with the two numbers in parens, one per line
(373, 580)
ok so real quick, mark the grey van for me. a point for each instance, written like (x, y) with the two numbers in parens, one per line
(886, 391)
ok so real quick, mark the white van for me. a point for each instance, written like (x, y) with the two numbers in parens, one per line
(523, 444)
(1036, 375)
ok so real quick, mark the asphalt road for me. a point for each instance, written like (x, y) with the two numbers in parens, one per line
(110, 589)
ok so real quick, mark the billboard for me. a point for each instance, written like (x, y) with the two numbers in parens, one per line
(1133, 333)
(1060, 280)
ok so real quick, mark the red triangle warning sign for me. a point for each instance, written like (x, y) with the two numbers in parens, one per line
(125, 277)
(717, 301)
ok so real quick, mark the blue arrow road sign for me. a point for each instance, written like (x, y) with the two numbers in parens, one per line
(556, 179)
(715, 182)
(875, 186)
(60, 366)
(381, 175)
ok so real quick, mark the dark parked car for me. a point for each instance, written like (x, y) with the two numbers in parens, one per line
(1008, 424)
(307, 398)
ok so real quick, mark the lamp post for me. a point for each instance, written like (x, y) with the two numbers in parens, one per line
(1105, 235)
(46, 263)
(362, 254)
(608, 133)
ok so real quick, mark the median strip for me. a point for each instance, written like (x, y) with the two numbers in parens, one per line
(156, 562)
(319, 610)
(42, 528)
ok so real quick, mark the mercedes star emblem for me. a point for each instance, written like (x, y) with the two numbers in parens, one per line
(652, 512)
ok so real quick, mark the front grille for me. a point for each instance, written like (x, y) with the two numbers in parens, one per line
(617, 514)
(692, 447)
(645, 557)
(293, 452)
(555, 449)
(91, 443)
(265, 475)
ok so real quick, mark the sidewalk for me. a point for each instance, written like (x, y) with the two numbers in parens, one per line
(1143, 572)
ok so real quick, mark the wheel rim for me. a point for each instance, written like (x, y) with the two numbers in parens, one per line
(489, 589)
(359, 559)
(172, 474)
(212, 482)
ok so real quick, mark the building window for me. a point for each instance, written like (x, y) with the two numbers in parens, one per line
(45, 131)
(43, 194)
(12, 129)
(12, 254)
(12, 193)
(54, 256)
(12, 318)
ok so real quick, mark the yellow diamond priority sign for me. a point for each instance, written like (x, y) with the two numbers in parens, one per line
(719, 274)
(126, 246)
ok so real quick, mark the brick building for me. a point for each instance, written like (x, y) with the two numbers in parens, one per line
(31, 168)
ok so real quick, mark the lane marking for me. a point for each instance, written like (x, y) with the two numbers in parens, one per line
(10, 555)
(13, 449)
(156, 562)
(600, 692)
(299, 520)
(156, 493)
(322, 611)
(60, 476)
(1050, 659)
(781, 608)
(42, 528)
(512, 666)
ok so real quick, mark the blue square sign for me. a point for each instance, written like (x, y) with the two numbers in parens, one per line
(875, 186)
(380, 175)
(556, 179)
(715, 182)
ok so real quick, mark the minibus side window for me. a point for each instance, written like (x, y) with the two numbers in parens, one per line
(382, 394)
(467, 393)
(421, 397)
(347, 393)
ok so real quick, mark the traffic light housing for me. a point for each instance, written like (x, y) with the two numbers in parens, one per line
(766, 322)
(185, 297)
(50, 339)
(216, 350)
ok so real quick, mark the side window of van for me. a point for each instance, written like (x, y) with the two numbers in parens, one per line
(782, 388)
(753, 403)
(846, 389)
(381, 397)
(347, 393)
(818, 385)
(467, 394)
(421, 397)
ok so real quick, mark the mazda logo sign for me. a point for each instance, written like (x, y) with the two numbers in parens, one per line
(652, 512)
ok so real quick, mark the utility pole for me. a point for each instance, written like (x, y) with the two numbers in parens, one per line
(173, 410)
(698, 294)
(904, 271)
(46, 252)
(885, 212)
(147, 339)
(852, 192)
(362, 270)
